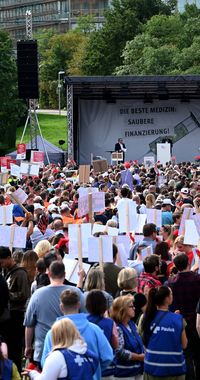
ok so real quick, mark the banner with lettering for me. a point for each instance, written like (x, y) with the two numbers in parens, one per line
(141, 126)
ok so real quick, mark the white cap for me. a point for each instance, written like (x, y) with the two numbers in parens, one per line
(167, 201)
(184, 190)
(38, 206)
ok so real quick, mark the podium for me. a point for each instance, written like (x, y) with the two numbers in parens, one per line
(117, 157)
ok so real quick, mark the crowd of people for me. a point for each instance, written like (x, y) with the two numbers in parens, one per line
(138, 321)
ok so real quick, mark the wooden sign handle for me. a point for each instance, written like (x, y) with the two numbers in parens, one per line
(101, 253)
(80, 254)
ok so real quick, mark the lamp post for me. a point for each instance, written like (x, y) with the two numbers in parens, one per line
(59, 87)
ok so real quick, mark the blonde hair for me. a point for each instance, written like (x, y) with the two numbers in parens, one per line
(119, 308)
(150, 200)
(95, 280)
(64, 333)
(127, 278)
(42, 248)
(179, 240)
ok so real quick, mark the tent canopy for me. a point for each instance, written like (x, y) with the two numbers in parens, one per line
(55, 154)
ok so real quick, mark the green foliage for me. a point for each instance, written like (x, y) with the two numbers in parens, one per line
(168, 45)
(123, 21)
(57, 52)
(54, 128)
(86, 24)
(11, 108)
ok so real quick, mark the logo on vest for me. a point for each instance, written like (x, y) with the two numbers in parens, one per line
(79, 360)
(162, 328)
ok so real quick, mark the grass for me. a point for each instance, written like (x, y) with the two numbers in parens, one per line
(53, 127)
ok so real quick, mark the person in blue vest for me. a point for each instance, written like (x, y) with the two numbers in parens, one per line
(96, 305)
(70, 359)
(8, 369)
(164, 337)
(130, 352)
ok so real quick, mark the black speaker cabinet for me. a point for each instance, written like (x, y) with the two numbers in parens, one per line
(27, 69)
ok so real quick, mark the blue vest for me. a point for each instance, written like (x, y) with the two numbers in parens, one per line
(6, 369)
(133, 343)
(164, 354)
(79, 366)
(106, 324)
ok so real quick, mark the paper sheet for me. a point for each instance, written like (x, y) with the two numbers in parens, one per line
(93, 249)
(19, 236)
(6, 213)
(20, 195)
(131, 220)
(73, 239)
(154, 216)
(191, 236)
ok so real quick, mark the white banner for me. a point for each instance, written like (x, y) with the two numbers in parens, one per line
(141, 126)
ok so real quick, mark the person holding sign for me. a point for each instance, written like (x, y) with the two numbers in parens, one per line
(120, 147)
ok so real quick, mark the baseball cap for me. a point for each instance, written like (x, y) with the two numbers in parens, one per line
(167, 201)
(127, 165)
(38, 206)
(64, 206)
(56, 216)
(184, 190)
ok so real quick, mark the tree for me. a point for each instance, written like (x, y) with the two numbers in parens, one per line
(168, 45)
(57, 56)
(11, 108)
(123, 21)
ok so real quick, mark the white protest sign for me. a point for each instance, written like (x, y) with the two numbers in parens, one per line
(73, 239)
(163, 153)
(83, 206)
(125, 241)
(85, 190)
(6, 216)
(187, 214)
(15, 170)
(141, 220)
(146, 252)
(107, 249)
(122, 260)
(149, 162)
(196, 218)
(72, 269)
(24, 167)
(19, 195)
(98, 202)
(98, 228)
(19, 240)
(34, 169)
(112, 231)
(161, 180)
(154, 216)
(191, 236)
(127, 216)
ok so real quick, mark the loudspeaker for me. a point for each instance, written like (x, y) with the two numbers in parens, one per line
(27, 69)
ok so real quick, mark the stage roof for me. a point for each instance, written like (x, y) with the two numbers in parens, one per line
(148, 88)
